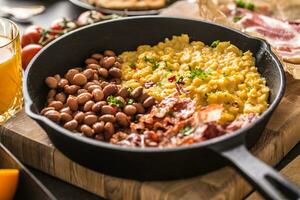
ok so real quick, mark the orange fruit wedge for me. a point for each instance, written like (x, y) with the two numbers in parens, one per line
(8, 183)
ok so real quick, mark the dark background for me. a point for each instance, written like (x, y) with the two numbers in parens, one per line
(57, 9)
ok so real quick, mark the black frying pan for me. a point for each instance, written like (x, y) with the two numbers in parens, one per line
(153, 163)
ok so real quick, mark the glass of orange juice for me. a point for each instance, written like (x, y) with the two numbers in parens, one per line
(11, 98)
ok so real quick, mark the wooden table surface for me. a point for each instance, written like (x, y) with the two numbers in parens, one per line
(57, 9)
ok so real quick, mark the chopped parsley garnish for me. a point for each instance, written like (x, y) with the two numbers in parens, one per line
(155, 66)
(130, 101)
(180, 80)
(187, 130)
(215, 43)
(149, 59)
(115, 101)
(242, 4)
(237, 18)
(198, 73)
(159, 84)
(168, 67)
(133, 65)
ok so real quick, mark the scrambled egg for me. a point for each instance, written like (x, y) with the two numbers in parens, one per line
(216, 74)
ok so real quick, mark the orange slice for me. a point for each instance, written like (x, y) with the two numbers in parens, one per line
(8, 183)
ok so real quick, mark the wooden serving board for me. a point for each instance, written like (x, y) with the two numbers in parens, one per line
(26, 139)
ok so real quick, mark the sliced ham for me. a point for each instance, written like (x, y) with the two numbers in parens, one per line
(284, 36)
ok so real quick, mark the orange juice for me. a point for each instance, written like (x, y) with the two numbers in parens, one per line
(10, 78)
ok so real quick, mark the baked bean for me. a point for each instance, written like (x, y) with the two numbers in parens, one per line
(51, 82)
(110, 89)
(150, 101)
(97, 94)
(97, 106)
(71, 89)
(96, 82)
(99, 137)
(143, 97)
(71, 125)
(121, 99)
(79, 69)
(79, 79)
(103, 84)
(66, 110)
(129, 110)
(80, 91)
(98, 127)
(60, 97)
(53, 115)
(92, 87)
(90, 119)
(94, 66)
(57, 77)
(90, 61)
(137, 92)
(109, 130)
(52, 93)
(109, 53)
(97, 56)
(56, 104)
(107, 62)
(65, 117)
(88, 106)
(117, 65)
(139, 108)
(107, 118)
(79, 117)
(70, 74)
(88, 73)
(83, 98)
(95, 76)
(107, 109)
(122, 119)
(44, 110)
(72, 103)
(50, 100)
(86, 130)
(119, 60)
(88, 84)
(89, 113)
(123, 92)
(62, 83)
(103, 72)
(115, 72)
(116, 81)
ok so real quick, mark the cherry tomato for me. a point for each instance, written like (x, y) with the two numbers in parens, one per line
(89, 17)
(28, 52)
(31, 35)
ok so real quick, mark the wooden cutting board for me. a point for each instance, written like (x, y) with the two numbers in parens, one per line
(30, 144)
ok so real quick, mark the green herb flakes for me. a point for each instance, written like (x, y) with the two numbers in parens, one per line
(187, 130)
(215, 43)
(198, 73)
(115, 101)
(130, 101)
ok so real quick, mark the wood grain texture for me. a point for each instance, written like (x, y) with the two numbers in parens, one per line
(31, 145)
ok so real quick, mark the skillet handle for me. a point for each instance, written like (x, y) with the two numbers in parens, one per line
(264, 178)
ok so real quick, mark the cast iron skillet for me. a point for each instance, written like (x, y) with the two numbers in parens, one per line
(154, 163)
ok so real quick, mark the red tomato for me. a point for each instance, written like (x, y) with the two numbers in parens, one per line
(28, 52)
(57, 24)
(31, 35)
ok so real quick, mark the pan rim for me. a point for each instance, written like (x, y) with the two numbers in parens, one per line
(205, 144)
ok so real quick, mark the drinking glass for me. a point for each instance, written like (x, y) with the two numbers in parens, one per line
(11, 98)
